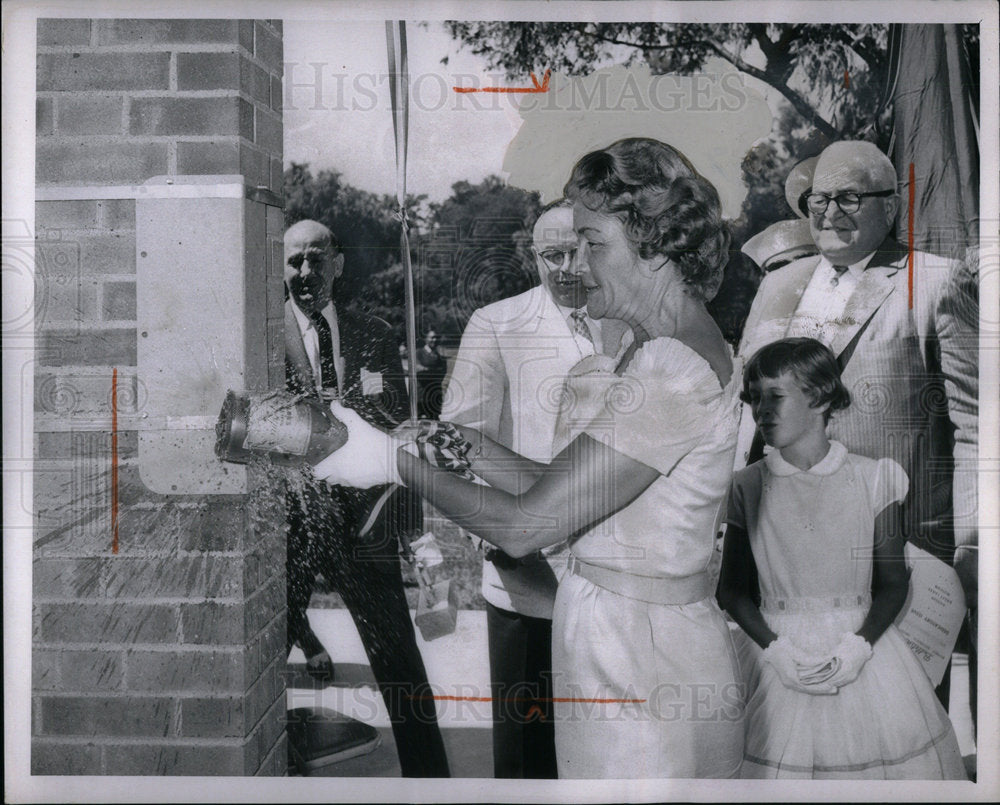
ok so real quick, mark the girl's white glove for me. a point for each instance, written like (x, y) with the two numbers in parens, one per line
(851, 654)
(367, 459)
(789, 663)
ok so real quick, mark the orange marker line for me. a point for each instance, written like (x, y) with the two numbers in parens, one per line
(525, 699)
(847, 80)
(114, 461)
(909, 226)
(543, 87)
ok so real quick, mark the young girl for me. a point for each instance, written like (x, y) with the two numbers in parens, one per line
(833, 690)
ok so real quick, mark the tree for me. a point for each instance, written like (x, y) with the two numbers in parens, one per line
(466, 251)
(475, 251)
(817, 68)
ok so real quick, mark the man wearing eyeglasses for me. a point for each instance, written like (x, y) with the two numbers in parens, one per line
(909, 361)
(507, 381)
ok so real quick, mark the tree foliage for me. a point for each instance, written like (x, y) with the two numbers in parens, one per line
(806, 63)
(833, 77)
(475, 251)
(466, 251)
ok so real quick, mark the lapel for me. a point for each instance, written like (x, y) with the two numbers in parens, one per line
(295, 351)
(352, 350)
(779, 297)
(550, 317)
(872, 290)
(553, 329)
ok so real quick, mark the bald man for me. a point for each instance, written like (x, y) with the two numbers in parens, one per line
(911, 368)
(331, 353)
(506, 381)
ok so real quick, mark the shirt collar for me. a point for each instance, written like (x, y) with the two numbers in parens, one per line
(858, 268)
(827, 465)
(567, 314)
(329, 313)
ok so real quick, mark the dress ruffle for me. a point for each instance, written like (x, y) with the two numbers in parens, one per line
(667, 388)
(887, 724)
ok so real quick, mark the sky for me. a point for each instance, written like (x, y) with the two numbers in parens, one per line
(337, 111)
(342, 119)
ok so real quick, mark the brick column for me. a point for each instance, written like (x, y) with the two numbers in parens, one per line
(162, 657)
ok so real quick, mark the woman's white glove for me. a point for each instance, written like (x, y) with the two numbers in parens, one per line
(851, 654)
(789, 663)
(367, 459)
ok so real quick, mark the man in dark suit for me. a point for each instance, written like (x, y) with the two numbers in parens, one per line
(351, 535)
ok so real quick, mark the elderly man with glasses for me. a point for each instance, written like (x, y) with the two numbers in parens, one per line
(905, 336)
(507, 382)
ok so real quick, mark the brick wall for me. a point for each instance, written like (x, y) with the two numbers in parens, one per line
(165, 656)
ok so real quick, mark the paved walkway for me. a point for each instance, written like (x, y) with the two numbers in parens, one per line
(457, 666)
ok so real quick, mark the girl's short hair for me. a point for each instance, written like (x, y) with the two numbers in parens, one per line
(666, 207)
(811, 363)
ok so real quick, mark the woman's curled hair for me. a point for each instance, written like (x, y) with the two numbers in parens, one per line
(666, 207)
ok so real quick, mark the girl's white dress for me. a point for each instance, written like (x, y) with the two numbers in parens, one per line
(645, 688)
(811, 532)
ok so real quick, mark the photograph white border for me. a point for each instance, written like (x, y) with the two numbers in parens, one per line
(18, 195)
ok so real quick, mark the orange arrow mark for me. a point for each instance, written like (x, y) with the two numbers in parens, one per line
(535, 712)
(536, 87)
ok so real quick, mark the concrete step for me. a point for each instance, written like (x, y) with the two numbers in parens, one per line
(457, 668)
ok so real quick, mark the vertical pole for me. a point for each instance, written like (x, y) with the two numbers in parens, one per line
(909, 234)
(399, 79)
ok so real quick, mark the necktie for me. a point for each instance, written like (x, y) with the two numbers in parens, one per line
(838, 272)
(327, 368)
(580, 325)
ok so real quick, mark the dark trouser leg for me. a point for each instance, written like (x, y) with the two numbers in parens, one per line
(520, 679)
(300, 568)
(540, 731)
(374, 595)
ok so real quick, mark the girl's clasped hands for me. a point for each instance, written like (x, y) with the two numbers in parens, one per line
(801, 671)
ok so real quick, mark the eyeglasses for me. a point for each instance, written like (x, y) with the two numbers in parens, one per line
(557, 258)
(847, 203)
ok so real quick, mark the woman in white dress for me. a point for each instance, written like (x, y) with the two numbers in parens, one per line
(644, 669)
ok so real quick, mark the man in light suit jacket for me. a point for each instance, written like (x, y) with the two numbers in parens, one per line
(507, 382)
(347, 534)
(907, 344)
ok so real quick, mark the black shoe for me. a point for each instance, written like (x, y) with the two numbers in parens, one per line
(320, 667)
(318, 663)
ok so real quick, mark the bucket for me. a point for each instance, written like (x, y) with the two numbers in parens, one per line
(437, 605)
(437, 609)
